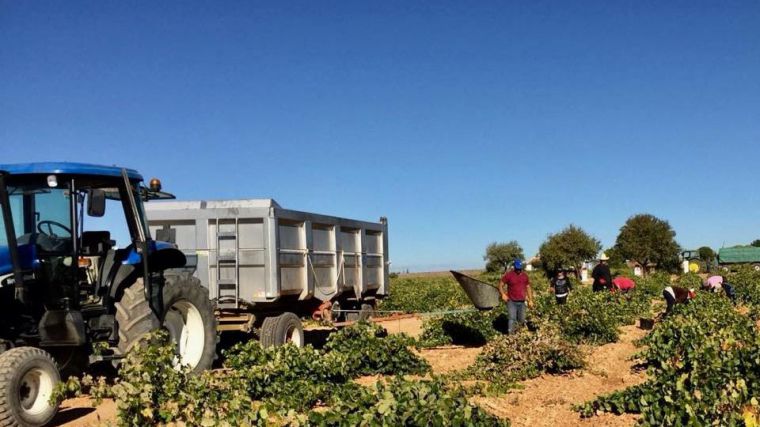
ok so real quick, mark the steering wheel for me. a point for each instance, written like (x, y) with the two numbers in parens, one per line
(50, 225)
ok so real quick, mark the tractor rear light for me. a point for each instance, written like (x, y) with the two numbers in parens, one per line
(85, 262)
(52, 181)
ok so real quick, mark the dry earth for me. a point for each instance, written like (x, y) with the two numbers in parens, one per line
(548, 400)
(543, 401)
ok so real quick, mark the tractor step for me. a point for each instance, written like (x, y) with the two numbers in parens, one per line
(104, 357)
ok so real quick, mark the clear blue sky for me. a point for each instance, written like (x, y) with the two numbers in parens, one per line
(462, 122)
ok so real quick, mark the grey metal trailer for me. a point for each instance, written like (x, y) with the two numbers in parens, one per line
(265, 266)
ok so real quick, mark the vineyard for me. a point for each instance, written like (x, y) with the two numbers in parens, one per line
(699, 366)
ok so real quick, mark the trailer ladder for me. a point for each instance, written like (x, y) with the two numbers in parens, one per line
(227, 289)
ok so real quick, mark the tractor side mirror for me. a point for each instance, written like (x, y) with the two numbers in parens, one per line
(96, 203)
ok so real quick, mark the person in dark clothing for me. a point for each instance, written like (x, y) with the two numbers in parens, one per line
(601, 275)
(676, 295)
(729, 290)
(561, 286)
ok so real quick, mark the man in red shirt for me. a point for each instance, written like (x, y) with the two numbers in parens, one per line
(516, 295)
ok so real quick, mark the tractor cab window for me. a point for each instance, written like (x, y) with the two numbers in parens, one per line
(3, 236)
(114, 220)
(16, 212)
(42, 216)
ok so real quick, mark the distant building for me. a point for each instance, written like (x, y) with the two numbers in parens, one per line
(638, 269)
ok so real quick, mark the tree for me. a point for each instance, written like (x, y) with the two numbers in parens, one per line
(706, 254)
(755, 243)
(616, 260)
(648, 240)
(499, 256)
(568, 249)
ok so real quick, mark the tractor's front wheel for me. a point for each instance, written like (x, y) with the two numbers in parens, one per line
(28, 376)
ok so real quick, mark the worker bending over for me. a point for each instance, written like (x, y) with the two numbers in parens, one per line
(676, 295)
(622, 284)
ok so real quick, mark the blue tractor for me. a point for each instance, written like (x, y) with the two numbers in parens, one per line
(66, 285)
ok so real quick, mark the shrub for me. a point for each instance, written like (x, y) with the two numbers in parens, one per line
(690, 281)
(588, 317)
(653, 284)
(403, 402)
(473, 328)
(703, 368)
(367, 349)
(592, 317)
(526, 354)
(416, 295)
(259, 386)
(430, 294)
(746, 282)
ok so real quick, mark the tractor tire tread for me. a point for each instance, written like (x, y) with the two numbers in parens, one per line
(189, 288)
(134, 317)
(9, 363)
(268, 334)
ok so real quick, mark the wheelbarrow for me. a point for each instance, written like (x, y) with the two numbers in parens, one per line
(484, 296)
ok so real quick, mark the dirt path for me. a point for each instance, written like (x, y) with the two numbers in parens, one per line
(79, 412)
(548, 400)
(544, 401)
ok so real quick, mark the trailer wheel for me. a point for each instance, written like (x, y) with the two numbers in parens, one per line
(189, 318)
(28, 376)
(282, 329)
(366, 312)
(336, 314)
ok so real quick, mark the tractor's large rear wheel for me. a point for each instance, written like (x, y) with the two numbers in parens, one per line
(134, 317)
(188, 317)
(28, 377)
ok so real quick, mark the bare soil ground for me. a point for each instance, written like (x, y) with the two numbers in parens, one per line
(548, 400)
(543, 401)
(450, 358)
(411, 326)
(81, 412)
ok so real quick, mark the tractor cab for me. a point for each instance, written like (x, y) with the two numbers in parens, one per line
(78, 266)
(56, 240)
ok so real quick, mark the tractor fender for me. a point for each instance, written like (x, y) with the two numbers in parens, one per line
(163, 258)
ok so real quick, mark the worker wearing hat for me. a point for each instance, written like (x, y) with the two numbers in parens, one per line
(601, 275)
(516, 294)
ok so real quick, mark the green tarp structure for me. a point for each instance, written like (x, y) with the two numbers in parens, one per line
(739, 254)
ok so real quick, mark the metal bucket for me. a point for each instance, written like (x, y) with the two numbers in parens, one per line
(484, 296)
